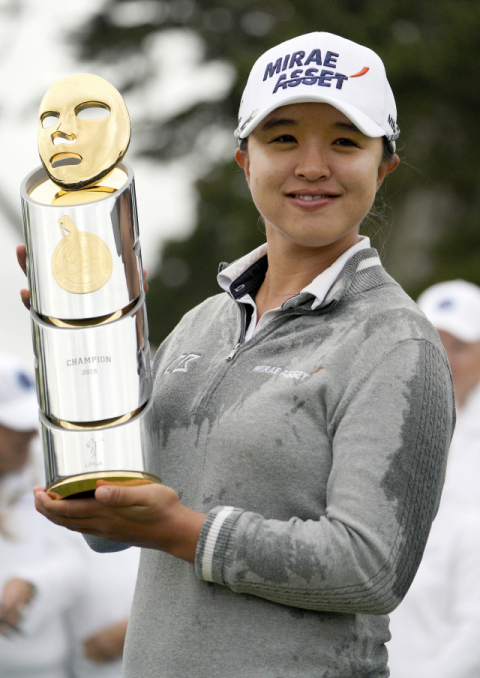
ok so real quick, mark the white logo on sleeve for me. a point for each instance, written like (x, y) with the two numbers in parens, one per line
(181, 364)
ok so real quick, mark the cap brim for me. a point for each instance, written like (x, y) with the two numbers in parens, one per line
(364, 123)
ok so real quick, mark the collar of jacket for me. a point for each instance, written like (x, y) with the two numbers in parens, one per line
(362, 272)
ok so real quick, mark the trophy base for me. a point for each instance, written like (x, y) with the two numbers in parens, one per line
(85, 484)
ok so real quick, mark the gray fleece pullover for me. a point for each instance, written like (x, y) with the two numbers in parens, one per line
(318, 451)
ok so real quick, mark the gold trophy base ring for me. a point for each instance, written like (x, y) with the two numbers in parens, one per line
(85, 484)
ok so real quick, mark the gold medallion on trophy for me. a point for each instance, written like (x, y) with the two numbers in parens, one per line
(81, 262)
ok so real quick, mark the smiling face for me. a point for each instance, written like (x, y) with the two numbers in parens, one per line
(313, 175)
(84, 130)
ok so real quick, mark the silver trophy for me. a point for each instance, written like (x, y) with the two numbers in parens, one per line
(89, 322)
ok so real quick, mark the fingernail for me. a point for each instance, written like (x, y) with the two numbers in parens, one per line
(103, 493)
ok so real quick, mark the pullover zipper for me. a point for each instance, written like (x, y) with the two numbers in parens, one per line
(221, 373)
(243, 330)
(233, 352)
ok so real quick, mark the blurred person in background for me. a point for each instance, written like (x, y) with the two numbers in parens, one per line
(98, 621)
(42, 568)
(63, 608)
(436, 629)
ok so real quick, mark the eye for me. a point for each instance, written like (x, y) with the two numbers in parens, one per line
(49, 120)
(92, 110)
(346, 142)
(285, 139)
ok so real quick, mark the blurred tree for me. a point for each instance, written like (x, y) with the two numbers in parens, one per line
(429, 48)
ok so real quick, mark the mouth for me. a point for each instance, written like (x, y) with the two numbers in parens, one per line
(311, 197)
(65, 159)
(312, 200)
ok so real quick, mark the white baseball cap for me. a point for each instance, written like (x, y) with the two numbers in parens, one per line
(18, 398)
(454, 307)
(321, 67)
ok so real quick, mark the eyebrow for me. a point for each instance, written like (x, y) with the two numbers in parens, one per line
(347, 126)
(280, 122)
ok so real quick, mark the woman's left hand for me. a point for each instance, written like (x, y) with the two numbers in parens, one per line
(149, 515)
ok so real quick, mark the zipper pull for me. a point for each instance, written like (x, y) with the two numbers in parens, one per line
(232, 353)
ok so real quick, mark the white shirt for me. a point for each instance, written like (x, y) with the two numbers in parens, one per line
(319, 287)
(436, 629)
(34, 549)
(462, 483)
(78, 592)
(106, 599)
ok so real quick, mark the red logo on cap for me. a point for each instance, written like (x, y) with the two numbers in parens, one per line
(364, 70)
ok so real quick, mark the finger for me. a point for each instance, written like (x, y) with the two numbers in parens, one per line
(22, 257)
(52, 495)
(123, 495)
(8, 628)
(25, 296)
(145, 284)
(10, 616)
(68, 508)
(17, 593)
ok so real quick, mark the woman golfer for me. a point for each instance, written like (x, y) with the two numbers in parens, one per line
(303, 415)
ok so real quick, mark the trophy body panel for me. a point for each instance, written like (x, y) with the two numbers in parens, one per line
(108, 278)
(75, 460)
(93, 373)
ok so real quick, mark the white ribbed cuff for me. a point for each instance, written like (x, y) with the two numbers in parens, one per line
(211, 540)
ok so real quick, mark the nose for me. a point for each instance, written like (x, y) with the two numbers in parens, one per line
(59, 137)
(65, 127)
(312, 164)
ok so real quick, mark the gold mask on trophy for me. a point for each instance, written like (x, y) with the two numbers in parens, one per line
(84, 130)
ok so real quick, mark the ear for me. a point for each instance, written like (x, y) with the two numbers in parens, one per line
(386, 168)
(244, 162)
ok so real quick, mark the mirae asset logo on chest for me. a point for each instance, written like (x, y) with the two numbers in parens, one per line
(272, 370)
(182, 363)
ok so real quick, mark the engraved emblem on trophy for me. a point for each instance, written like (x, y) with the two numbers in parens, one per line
(88, 314)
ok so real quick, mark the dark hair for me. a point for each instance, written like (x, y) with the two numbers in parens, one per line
(388, 150)
(387, 156)
(243, 145)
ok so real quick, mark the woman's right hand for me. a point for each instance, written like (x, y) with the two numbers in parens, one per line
(22, 260)
(148, 515)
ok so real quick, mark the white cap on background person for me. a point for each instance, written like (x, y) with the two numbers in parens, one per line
(325, 68)
(453, 307)
(18, 398)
